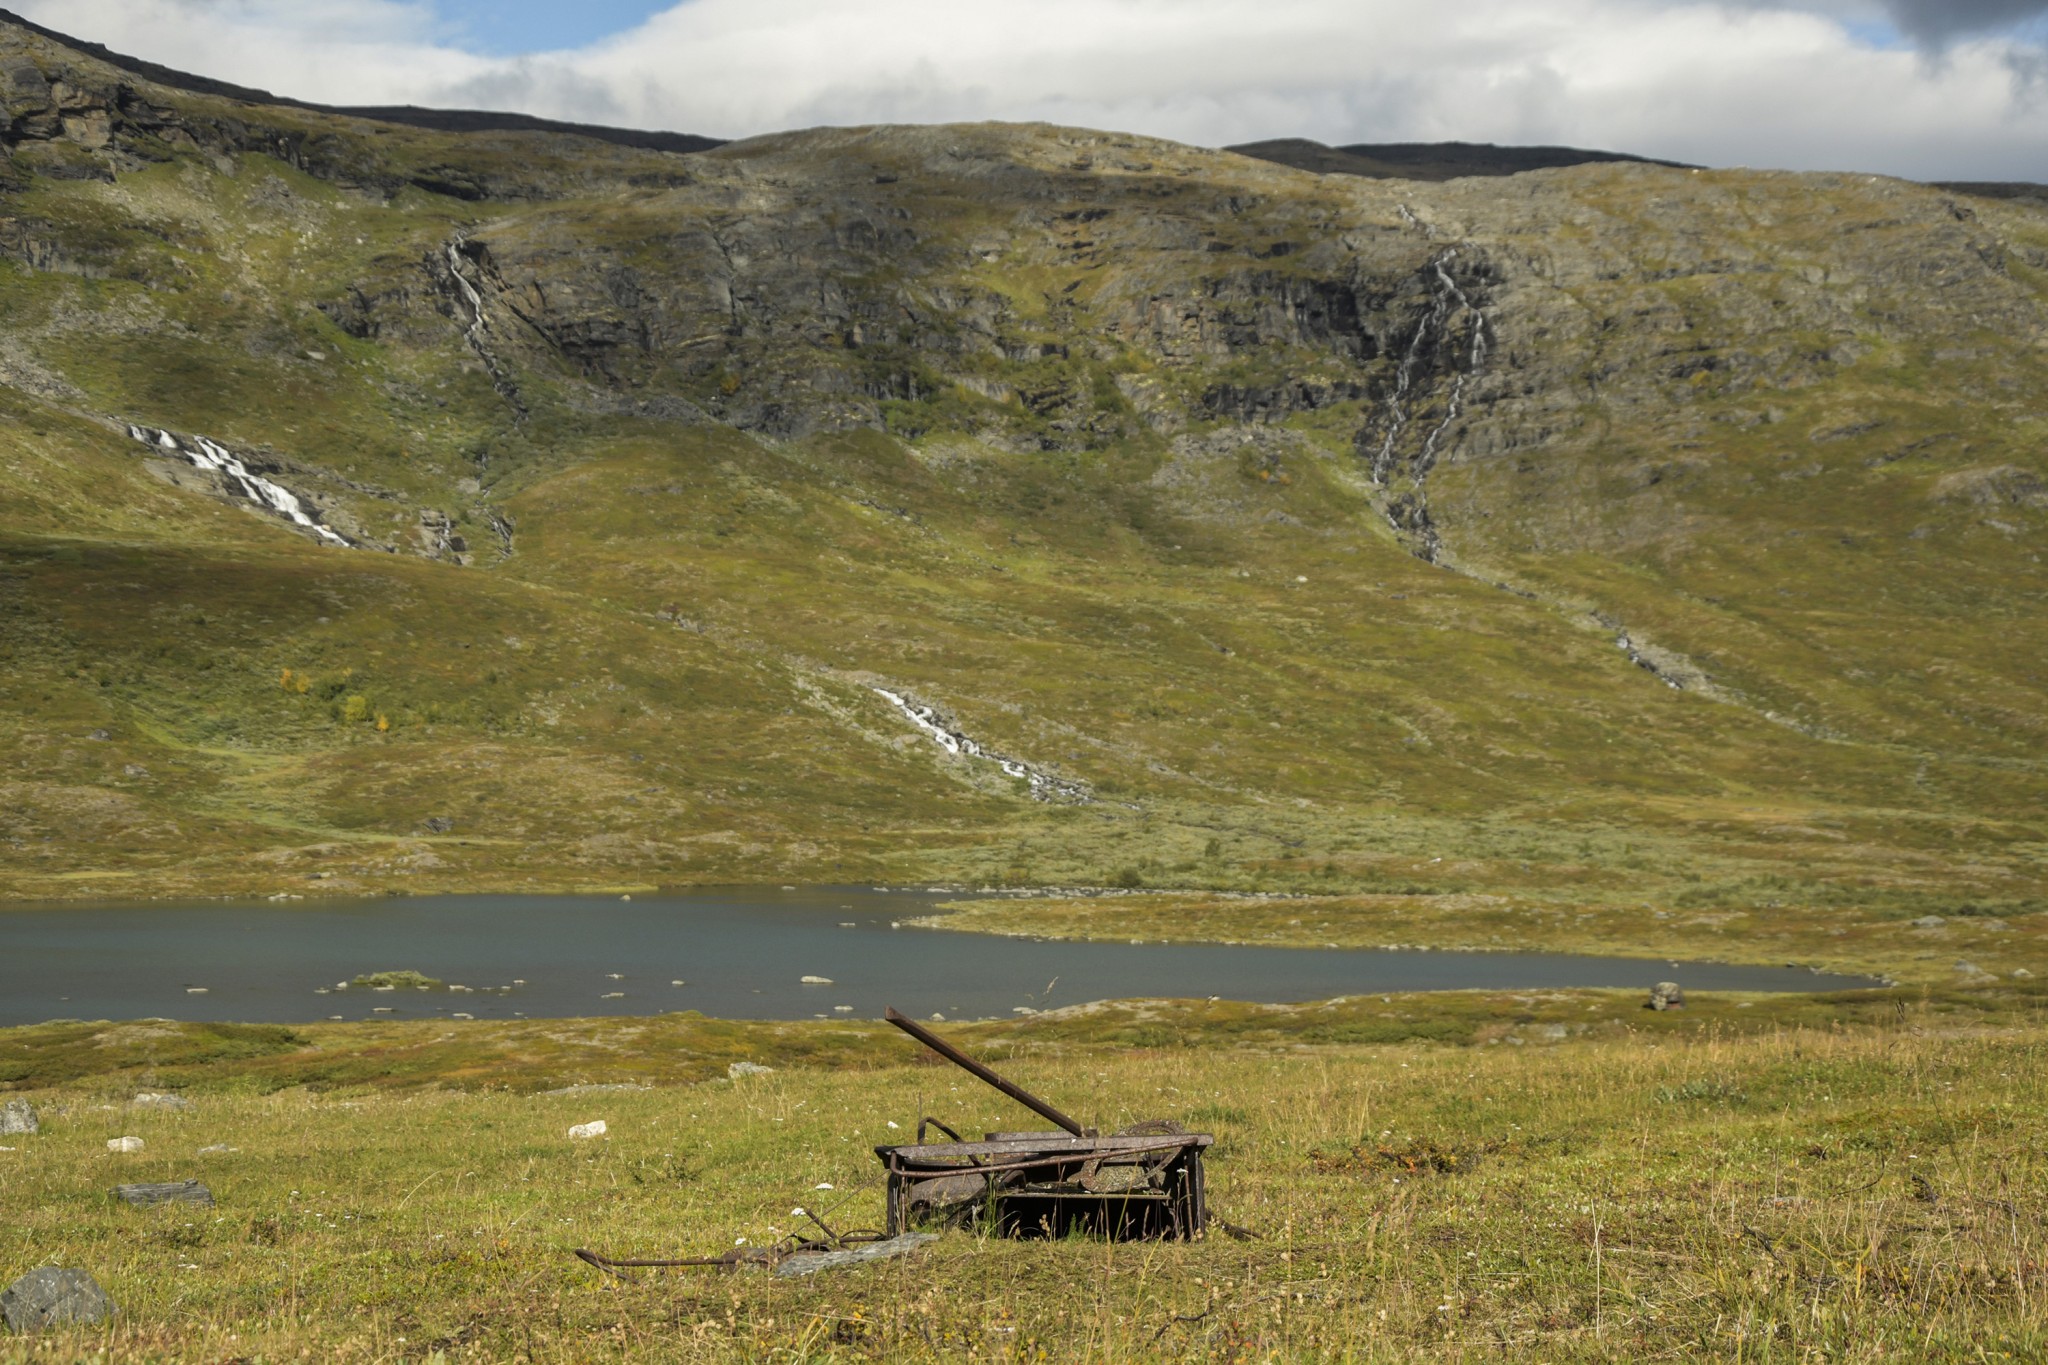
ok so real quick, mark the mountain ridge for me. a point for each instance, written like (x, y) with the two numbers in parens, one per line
(439, 120)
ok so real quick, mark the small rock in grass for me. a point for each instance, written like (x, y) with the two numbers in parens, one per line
(2021, 972)
(1972, 974)
(1667, 995)
(739, 1069)
(124, 1144)
(593, 1129)
(216, 1149)
(54, 1297)
(19, 1116)
(1551, 1033)
(1929, 922)
(148, 1196)
(155, 1099)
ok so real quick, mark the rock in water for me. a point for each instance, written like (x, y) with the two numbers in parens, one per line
(54, 1297)
(1667, 995)
(18, 1116)
(171, 1192)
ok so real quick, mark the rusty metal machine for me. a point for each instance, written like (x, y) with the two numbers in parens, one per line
(1142, 1182)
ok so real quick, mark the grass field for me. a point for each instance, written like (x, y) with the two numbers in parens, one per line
(1755, 1179)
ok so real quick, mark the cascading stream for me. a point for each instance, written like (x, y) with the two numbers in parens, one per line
(1407, 510)
(1044, 786)
(1454, 406)
(1408, 513)
(210, 455)
(479, 323)
(474, 332)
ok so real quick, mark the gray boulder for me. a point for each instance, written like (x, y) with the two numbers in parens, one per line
(18, 1116)
(54, 1297)
(1667, 995)
(147, 1196)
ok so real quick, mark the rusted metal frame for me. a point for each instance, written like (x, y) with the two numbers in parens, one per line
(1053, 1145)
(962, 1060)
(1050, 1159)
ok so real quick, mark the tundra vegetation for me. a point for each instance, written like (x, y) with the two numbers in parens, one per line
(1611, 556)
(1553, 1177)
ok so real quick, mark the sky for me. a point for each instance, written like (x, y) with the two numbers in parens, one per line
(1932, 89)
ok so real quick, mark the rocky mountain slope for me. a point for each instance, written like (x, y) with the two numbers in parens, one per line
(1001, 502)
(1427, 160)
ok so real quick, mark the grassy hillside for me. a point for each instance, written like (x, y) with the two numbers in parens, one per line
(1616, 537)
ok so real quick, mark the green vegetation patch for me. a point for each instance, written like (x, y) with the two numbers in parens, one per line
(400, 980)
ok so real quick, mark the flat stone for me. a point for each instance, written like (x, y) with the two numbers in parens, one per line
(19, 1116)
(155, 1099)
(148, 1196)
(739, 1069)
(54, 1297)
(124, 1144)
(593, 1129)
(811, 1262)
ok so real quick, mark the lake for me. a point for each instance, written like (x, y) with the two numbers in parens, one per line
(734, 952)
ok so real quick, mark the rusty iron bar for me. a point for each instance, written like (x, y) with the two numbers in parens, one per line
(967, 1063)
(603, 1262)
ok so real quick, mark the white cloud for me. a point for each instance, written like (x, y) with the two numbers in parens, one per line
(1740, 82)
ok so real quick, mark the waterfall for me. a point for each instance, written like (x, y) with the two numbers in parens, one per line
(1407, 510)
(206, 454)
(1473, 361)
(1044, 786)
(479, 323)
(469, 294)
(1445, 298)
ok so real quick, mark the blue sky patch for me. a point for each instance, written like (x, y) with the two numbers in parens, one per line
(502, 28)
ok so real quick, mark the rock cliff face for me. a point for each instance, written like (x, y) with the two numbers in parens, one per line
(1200, 481)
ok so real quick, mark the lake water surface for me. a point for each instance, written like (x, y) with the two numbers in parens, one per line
(739, 953)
